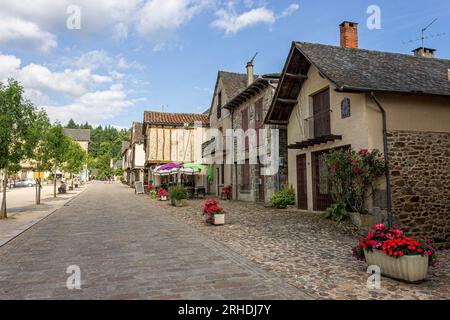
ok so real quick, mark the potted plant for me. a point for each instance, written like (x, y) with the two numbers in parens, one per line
(213, 213)
(177, 195)
(398, 257)
(162, 194)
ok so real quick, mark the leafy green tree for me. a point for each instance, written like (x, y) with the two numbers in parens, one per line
(72, 125)
(75, 158)
(58, 144)
(16, 115)
(38, 140)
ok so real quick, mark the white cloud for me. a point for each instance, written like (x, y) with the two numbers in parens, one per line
(8, 66)
(95, 106)
(24, 34)
(289, 10)
(232, 22)
(167, 15)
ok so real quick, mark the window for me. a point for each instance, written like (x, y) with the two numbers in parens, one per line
(246, 175)
(219, 105)
(345, 108)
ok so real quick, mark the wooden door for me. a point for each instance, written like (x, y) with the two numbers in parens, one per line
(321, 187)
(321, 113)
(302, 193)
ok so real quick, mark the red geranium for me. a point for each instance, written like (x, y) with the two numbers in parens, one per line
(162, 192)
(393, 243)
(210, 208)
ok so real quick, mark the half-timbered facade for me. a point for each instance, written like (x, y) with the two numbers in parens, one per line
(173, 137)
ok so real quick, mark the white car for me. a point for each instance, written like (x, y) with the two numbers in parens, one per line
(25, 183)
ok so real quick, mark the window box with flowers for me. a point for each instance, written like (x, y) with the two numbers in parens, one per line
(398, 257)
(213, 213)
(162, 194)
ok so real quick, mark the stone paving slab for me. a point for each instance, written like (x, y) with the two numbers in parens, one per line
(128, 248)
(312, 254)
(22, 218)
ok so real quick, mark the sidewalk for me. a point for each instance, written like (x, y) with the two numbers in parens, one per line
(22, 217)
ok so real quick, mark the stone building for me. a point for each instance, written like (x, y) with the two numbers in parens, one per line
(137, 154)
(240, 104)
(331, 97)
(248, 110)
(228, 85)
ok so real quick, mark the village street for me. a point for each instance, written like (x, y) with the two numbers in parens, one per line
(130, 247)
(127, 248)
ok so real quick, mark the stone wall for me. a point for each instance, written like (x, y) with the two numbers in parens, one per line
(420, 179)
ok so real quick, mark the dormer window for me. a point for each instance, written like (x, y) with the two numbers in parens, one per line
(219, 105)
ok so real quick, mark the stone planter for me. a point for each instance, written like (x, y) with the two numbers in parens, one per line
(408, 268)
(178, 203)
(362, 221)
(219, 219)
(163, 198)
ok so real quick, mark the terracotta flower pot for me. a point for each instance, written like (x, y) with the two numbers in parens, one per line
(409, 268)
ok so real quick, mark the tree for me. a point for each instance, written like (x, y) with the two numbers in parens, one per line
(38, 139)
(76, 157)
(58, 144)
(16, 115)
(72, 125)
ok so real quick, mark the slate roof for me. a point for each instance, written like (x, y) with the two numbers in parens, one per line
(379, 71)
(78, 134)
(152, 117)
(258, 85)
(125, 146)
(233, 83)
(136, 134)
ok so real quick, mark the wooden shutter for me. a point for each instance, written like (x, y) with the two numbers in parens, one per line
(246, 175)
(244, 124)
(259, 119)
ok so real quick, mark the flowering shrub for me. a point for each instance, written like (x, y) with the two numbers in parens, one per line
(162, 192)
(149, 187)
(352, 174)
(393, 243)
(211, 208)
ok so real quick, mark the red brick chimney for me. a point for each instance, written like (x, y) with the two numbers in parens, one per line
(349, 34)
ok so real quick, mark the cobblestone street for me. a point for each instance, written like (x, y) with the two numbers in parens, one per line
(312, 254)
(127, 248)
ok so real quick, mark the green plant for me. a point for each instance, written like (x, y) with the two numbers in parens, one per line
(352, 174)
(283, 198)
(336, 211)
(177, 193)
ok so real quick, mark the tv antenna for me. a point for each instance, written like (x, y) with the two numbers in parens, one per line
(423, 37)
(251, 61)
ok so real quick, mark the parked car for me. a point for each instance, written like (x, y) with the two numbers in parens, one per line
(25, 183)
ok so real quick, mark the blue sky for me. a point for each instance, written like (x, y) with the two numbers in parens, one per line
(136, 55)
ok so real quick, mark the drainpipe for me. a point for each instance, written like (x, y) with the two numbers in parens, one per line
(233, 187)
(386, 161)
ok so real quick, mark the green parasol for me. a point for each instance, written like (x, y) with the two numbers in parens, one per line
(194, 166)
(211, 172)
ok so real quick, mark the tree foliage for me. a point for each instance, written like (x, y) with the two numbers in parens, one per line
(16, 116)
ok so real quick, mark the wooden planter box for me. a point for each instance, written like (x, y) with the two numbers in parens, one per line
(408, 268)
(219, 219)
